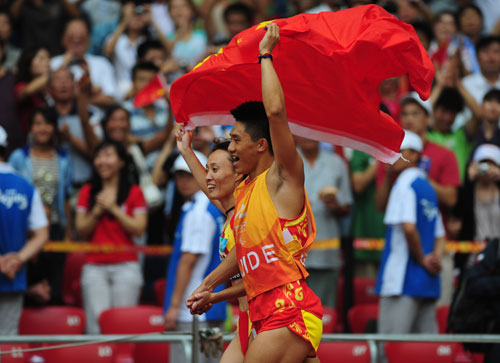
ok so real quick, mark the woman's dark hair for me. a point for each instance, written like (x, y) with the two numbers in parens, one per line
(51, 117)
(24, 64)
(124, 183)
(109, 112)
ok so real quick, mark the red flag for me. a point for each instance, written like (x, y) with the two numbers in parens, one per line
(330, 66)
(153, 91)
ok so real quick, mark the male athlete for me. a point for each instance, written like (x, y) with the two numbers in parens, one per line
(273, 227)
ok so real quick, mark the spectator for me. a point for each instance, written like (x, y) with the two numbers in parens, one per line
(439, 162)
(461, 141)
(76, 42)
(408, 282)
(63, 90)
(479, 202)
(327, 185)
(23, 233)
(48, 167)
(489, 132)
(187, 44)
(470, 21)
(41, 22)
(148, 121)
(195, 255)
(31, 84)
(110, 210)
(445, 29)
(488, 56)
(367, 221)
(122, 45)
(11, 53)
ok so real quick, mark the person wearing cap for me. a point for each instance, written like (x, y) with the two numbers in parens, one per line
(439, 163)
(23, 232)
(195, 255)
(408, 281)
(479, 198)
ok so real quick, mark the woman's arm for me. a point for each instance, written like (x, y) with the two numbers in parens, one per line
(109, 47)
(35, 86)
(134, 225)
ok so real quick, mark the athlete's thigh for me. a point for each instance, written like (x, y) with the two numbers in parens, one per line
(278, 345)
(233, 353)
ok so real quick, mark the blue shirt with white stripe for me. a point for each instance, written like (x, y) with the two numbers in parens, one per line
(412, 200)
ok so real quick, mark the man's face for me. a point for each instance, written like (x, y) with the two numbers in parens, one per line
(142, 78)
(414, 118)
(76, 38)
(489, 58)
(444, 119)
(243, 150)
(491, 110)
(62, 87)
(236, 23)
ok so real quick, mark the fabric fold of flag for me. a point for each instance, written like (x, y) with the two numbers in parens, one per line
(330, 66)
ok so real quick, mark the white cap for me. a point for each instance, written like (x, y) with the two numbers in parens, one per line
(412, 141)
(487, 152)
(181, 165)
(426, 105)
(3, 137)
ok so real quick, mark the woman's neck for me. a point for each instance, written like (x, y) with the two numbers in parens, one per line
(227, 204)
(43, 150)
(111, 183)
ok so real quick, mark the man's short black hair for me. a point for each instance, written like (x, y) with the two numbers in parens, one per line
(450, 99)
(467, 6)
(240, 8)
(145, 47)
(144, 66)
(492, 95)
(486, 41)
(253, 115)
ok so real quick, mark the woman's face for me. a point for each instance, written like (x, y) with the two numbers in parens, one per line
(471, 23)
(445, 28)
(180, 12)
(42, 131)
(107, 162)
(221, 178)
(40, 63)
(118, 126)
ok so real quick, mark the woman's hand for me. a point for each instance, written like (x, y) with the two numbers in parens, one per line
(107, 201)
(184, 138)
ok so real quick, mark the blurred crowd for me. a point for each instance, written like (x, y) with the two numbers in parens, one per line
(108, 171)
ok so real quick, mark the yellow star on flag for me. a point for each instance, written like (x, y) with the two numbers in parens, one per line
(263, 24)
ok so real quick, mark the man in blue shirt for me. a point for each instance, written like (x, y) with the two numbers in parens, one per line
(195, 255)
(408, 281)
(21, 212)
